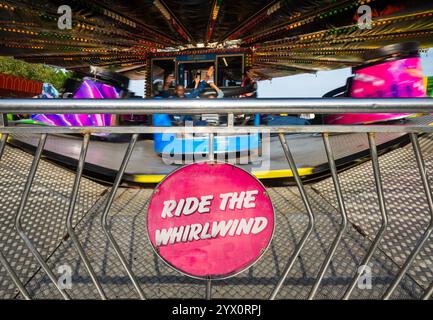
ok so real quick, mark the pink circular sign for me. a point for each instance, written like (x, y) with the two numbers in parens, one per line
(210, 220)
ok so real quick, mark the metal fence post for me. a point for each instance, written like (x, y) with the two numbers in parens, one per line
(383, 212)
(3, 259)
(343, 225)
(69, 221)
(427, 189)
(104, 218)
(19, 214)
(311, 219)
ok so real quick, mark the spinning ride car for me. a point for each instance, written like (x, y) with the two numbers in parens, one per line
(99, 84)
(214, 75)
(392, 71)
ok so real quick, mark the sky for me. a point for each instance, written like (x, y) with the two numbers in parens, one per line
(303, 85)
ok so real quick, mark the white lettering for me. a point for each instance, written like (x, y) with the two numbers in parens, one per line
(162, 236)
(168, 207)
(225, 198)
(250, 199)
(259, 225)
(204, 203)
(221, 228)
(191, 206)
(195, 232)
(179, 207)
(185, 234)
(237, 201)
(205, 234)
(176, 235)
(233, 228)
(245, 226)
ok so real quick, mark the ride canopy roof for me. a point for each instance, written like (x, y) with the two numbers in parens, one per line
(284, 37)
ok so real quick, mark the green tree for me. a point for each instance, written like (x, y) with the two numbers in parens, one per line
(32, 71)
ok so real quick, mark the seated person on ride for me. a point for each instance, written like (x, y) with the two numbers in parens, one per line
(180, 89)
(248, 80)
(219, 94)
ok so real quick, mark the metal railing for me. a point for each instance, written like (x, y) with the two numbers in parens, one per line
(230, 108)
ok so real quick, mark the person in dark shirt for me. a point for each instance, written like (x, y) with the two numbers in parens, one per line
(248, 80)
(180, 92)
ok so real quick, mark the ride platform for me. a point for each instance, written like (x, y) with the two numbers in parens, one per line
(147, 167)
(45, 214)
